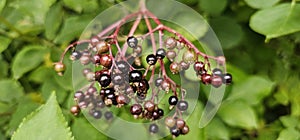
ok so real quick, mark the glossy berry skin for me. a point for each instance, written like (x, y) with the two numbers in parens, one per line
(135, 76)
(180, 123)
(106, 60)
(206, 79)
(217, 72)
(118, 79)
(59, 67)
(160, 53)
(153, 128)
(175, 67)
(185, 130)
(75, 110)
(227, 78)
(151, 59)
(170, 122)
(75, 55)
(132, 42)
(216, 81)
(149, 106)
(136, 109)
(104, 80)
(199, 66)
(97, 114)
(160, 112)
(171, 43)
(173, 100)
(182, 105)
(175, 131)
(158, 81)
(96, 59)
(122, 66)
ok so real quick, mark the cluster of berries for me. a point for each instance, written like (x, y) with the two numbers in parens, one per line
(116, 81)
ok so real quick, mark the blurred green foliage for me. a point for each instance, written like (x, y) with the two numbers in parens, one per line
(260, 39)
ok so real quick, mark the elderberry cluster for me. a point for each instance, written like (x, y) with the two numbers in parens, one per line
(119, 79)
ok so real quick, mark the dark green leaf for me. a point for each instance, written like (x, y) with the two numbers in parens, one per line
(10, 90)
(285, 20)
(2, 4)
(214, 7)
(82, 5)
(27, 59)
(89, 132)
(41, 74)
(47, 122)
(4, 43)
(53, 20)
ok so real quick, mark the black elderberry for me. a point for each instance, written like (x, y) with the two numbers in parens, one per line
(75, 55)
(108, 115)
(136, 109)
(160, 112)
(175, 131)
(217, 72)
(118, 79)
(123, 66)
(182, 105)
(75, 110)
(227, 78)
(216, 81)
(153, 128)
(149, 106)
(151, 59)
(96, 114)
(198, 66)
(173, 100)
(132, 42)
(135, 76)
(160, 53)
(158, 81)
(104, 80)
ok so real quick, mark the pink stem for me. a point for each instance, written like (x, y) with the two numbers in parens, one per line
(151, 33)
(71, 46)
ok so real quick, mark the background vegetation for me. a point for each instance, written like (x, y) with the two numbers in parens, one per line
(260, 39)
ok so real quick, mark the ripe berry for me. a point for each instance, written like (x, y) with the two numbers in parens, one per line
(75, 55)
(78, 95)
(199, 66)
(97, 114)
(122, 66)
(227, 78)
(104, 80)
(180, 123)
(160, 112)
(175, 67)
(170, 122)
(91, 90)
(217, 72)
(75, 110)
(96, 59)
(158, 81)
(173, 100)
(171, 55)
(132, 42)
(108, 115)
(182, 105)
(206, 79)
(136, 109)
(216, 81)
(151, 59)
(106, 60)
(171, 43)
(135, 76)
(149, 106)
(160, 53)
(137, 51)
(122, 99)
(175, 131)
(185, 130)
(153, 128)
(102, 47)
(155, 115)
(118, 79)
(184, 65)
(165, 85)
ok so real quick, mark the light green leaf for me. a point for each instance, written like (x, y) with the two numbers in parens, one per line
(4, 43)
(285, 20)
(81, 5)
(259, 4)
(289, 121)
(2, 4)
(228, 31)
(214, 7)
(10, 90)
(289, 134)
(53, 20)
(4, 68)
(72, 28)
(47, 122)
(238, 114)
(27, 59)
(50, 85)
(253, 90)
(217, 130)
(89, 132)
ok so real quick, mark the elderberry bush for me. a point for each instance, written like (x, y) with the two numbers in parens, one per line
(118, 78)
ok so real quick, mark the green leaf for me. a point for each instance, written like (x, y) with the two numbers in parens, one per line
(10, 90)
(213, 7)
(40, 74)
(284, 20)
(51, 85)
(81, 5)
(289, 134)
(2, 4)
(4, 68)
(72, 28)
(47, 122)
(228, 31)
(4, 43)
(238, 114)
(53, 20)
(89, 132)
(217, 130)
(253, 90)
(27, 59)
(289, 121)
(259, 4)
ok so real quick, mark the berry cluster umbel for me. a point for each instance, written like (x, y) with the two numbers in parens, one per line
(124, 84)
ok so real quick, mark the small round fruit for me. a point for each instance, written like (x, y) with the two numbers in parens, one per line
(122, 99)
(188, 57)
(153, 128)
(136, 109)
(175, 68)
(158, 81)
(75, 55)
(97, 114)
(151, 59)
(173, 100)
(59, 68)
(180, 123)
(216, 81)
(160, 112)
(75, 110)
(160, 53)
(104, 80)
(227, 78)
(108, 115)
(217, 72)
(101, 47)
(118, 79)
(137, 51)
(199, 66)
(182, 105)
(170, 122)
(184, 65)
(122, 66)
(135, 76)
(175, 131)
(171, 55)
(132, 42)
(96, 59)
(149, 106)
(206, 79)
(185, 130)
(106, 60)
(170, 43)
(85, 59)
